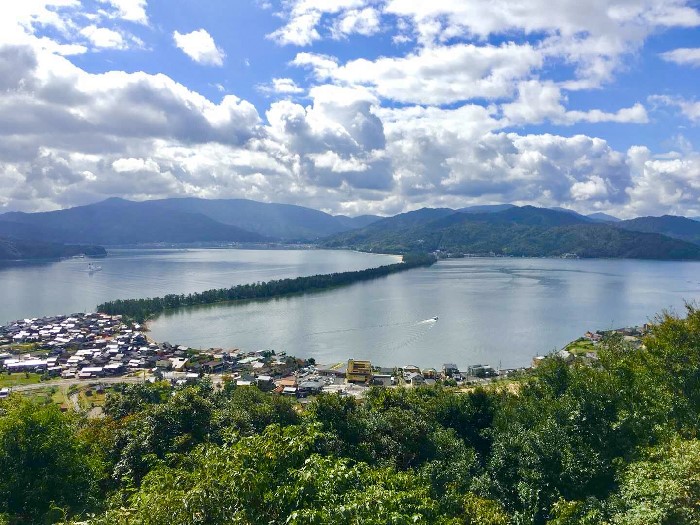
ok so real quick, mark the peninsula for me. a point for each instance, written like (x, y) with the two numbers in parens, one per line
(141, 310)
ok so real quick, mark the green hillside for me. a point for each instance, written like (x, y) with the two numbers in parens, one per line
(526, 231)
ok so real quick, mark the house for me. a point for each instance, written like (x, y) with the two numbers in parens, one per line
(358, 371)
(213, 367)
(449, 370)
(414, 379)
(265, 383)
(382, 380)
(93, 371)
(310, 388)
(430, 373)
(289, 391)
(178, 363)
(28, 365)
(481, 371)
(113, 368)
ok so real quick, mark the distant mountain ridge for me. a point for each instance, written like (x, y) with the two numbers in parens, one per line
(516, 231)
(279, 221)
(674, 226)
(117, 221)
(509, 229)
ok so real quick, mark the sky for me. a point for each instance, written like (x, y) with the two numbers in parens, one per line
(353, 106)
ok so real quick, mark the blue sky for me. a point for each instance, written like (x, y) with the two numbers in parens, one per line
(353, 106)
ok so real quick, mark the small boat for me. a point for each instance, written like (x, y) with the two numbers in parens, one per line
(435, 318)
(92, 268)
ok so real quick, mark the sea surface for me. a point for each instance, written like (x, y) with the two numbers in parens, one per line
(497, 311)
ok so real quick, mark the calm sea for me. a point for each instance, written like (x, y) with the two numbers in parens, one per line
(492, 311)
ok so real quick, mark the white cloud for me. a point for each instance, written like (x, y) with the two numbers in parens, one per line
(303, 17)
(376, 134)
(592, 37)
(282, 86)
(440, 75)
(689, 108)
(364, 22)
(200, 47)
(300, 31)
(543, 101)
(663, 185)
(103, 38)
(131, 10)
(132, 164)
(683, 56)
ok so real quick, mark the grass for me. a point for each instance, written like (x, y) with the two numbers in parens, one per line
(92, 399)
(18, 379)
(580, 346)
(22, 348)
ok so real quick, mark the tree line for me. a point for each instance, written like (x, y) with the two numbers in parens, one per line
(141, 310)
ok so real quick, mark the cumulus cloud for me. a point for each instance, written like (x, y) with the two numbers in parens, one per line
(304, 16)
(131, 10)
(689, 108)
(683, 56)
(364, 22)
(200, 47)
(543, 101)
(440, 75)
(668, 183)
(282, 86)
(104, 38)
(432, 124)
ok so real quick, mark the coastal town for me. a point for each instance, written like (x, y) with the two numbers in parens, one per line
(94, 348)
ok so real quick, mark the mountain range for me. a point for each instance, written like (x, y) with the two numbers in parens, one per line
(119, 222)
(501, 229)
(513, 231)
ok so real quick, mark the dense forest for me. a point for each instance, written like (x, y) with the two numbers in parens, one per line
(614, 443)
(520, 232)
(13, 249)
(143, 309)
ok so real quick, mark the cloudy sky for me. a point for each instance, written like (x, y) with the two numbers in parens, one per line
(353, 106)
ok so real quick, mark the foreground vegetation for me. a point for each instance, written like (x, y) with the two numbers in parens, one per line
(141, 310)
(616, 443)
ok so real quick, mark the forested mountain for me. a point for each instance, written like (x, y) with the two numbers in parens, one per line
(613, 441)
(280, 221)
(525, 231)
(602, 217)
(485, 208)
(118, 221)
(12, 249)
(513, 229)
(669, 225)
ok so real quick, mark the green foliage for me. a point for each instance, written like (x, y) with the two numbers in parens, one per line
(42, 463)
(663, 488)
